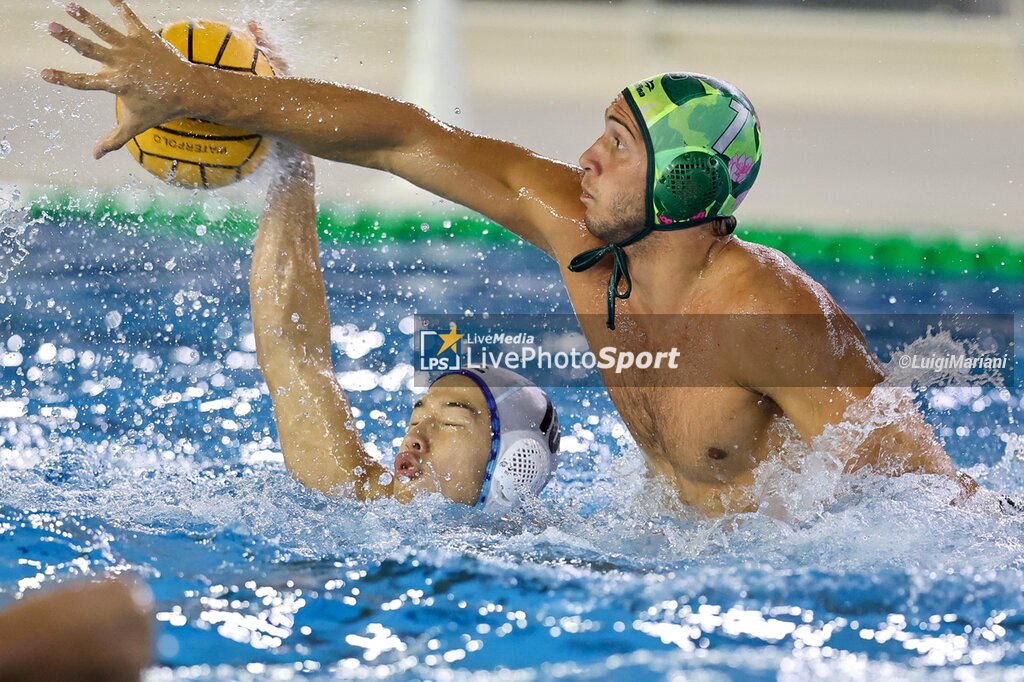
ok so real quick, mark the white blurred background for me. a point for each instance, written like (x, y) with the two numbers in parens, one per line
(892, 113)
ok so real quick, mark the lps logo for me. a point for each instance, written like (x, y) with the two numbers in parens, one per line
(440, 352)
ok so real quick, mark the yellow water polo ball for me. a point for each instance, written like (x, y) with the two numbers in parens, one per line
(194, 153)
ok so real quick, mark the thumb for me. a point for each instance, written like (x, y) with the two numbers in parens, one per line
(117, 138)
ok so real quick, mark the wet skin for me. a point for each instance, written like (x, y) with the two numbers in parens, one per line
(448, 443)
(562, 209)
(720, 417)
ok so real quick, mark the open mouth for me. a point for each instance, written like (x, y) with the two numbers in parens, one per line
(407, 465)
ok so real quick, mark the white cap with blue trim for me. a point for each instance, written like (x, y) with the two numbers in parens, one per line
(525, 435)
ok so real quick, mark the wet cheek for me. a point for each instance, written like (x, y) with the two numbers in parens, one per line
(460, 490)
(448, 474)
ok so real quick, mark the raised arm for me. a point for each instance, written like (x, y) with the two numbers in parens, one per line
(513, 186)
(516, 188)
(321, 445)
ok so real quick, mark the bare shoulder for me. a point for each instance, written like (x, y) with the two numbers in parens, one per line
(763, 280)
(788, 328)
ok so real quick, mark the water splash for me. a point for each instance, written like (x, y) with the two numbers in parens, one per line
(14, 229)
(144, 422)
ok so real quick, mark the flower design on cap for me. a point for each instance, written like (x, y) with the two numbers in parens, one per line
(664, 220)
(740, 167)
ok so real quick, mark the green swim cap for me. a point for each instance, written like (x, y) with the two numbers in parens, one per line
(703, 144)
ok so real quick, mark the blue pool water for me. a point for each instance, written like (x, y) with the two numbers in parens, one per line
(137, 437)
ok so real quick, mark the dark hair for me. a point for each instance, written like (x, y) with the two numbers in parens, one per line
(723, 227)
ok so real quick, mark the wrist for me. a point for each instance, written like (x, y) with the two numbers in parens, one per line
(202, 94)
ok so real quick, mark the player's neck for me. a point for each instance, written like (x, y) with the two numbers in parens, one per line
(666, 268)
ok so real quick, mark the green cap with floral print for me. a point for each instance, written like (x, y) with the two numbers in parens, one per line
(703, 143)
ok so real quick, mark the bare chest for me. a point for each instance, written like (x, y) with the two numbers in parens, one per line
(700, 436)
(696, 426)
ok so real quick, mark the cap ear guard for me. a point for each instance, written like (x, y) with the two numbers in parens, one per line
(522, 471)
(526, 463)
(525, 437)
(694, 182)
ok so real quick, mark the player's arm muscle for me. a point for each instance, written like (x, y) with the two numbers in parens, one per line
(321, 445)
(518, 189)
(522, 191)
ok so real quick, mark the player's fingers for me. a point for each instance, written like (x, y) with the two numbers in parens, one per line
(264, 43)
(117, 138)
(130, 18)
(83, 46)
(257, 33)
(98, 26)
(78, 81)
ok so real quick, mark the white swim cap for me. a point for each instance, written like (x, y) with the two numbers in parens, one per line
(524, 437)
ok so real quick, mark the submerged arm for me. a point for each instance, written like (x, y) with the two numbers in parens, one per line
(321, 445)
(826, 381)
(797, 346)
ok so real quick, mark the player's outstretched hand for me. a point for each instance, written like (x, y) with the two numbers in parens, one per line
(139, 66)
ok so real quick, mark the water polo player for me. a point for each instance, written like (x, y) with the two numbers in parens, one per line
(642, 230)
(484, 437)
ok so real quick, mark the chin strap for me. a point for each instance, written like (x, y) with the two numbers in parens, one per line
(620, 268)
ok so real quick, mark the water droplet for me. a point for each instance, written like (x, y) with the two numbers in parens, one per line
(47, 353)
(295, 317)
(113, 319)
(424, 227)
(200, 230)
(171, 264)
(458, 110)
(5, 148)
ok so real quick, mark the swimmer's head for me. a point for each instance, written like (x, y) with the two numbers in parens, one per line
(482, 437)
(677, 148)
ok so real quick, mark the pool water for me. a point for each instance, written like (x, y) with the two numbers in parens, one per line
(137, 437)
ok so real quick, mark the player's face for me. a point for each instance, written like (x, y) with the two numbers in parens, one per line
(448, 443)
(614, 176)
